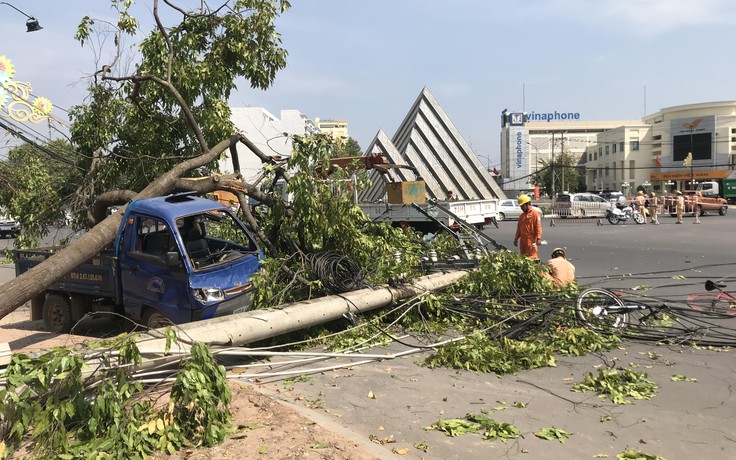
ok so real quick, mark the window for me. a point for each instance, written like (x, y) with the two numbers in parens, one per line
(595, 155)
(634, 144)
(608, 150)
(153, 237)
(613, 148)
(631, 171)
(606, 171)
(600, 151)
(614, 172)
(621, 145)
(590, 157)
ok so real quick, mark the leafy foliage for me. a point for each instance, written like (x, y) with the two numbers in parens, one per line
(141, 125)
(483, 354)
(637, 455)
(579, 341)
(473, 423)
(324, 218)
(505, 274)
(552, 434)
(618, 385)
(53, 401)
(36, 186)
(566, 175)
(494, 430)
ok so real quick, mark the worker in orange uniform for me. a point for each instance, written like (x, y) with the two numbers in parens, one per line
(563, 272)
(529, 229)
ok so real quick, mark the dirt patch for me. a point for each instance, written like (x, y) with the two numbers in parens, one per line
(269, 427)
(272, 429)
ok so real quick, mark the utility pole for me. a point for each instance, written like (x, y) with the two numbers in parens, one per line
(562, 155)
(553, 193)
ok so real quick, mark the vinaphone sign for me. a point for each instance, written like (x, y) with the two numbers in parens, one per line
(519, 167)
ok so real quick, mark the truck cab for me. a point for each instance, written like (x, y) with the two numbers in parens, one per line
(182, 259)
(175, 259)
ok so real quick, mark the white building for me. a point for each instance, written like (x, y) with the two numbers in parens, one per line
(625, 156)
(337, 128)
(268, 133)
(617, 161)
(529, 139)
(654, 150)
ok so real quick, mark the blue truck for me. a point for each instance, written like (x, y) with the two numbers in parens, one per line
(175, 259)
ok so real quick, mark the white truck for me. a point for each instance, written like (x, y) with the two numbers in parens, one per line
(477, 213)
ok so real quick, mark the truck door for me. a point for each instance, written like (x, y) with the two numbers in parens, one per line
(148, 281)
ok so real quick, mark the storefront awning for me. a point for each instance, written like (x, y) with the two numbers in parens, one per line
(686, 175)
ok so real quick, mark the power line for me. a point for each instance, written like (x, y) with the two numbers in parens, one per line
(40, 147)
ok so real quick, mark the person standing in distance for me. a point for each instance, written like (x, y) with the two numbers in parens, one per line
(680, 207)
(641, 204)
(654, 204)
(529, 229)
(563, 272)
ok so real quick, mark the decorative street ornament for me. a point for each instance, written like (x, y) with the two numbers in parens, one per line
(15, 97)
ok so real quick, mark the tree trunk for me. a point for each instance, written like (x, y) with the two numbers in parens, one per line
(36, 280)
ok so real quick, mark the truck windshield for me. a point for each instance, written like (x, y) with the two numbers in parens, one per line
(213, 238)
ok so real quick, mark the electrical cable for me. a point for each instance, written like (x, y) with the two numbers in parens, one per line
(337, 272)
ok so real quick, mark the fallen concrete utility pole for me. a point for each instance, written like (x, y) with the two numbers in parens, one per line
(252, 326)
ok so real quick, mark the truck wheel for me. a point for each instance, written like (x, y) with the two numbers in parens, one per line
(57, 314)
(723, 210)
(152, 319)
(500, 217)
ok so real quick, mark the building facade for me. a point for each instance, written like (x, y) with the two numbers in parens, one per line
(530, 141)
(651, 155)
(337, 128)
(270, 134)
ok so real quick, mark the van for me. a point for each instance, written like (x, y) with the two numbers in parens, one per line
(611, 197)
(580, 205)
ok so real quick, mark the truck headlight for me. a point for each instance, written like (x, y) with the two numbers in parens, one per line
(209, 295)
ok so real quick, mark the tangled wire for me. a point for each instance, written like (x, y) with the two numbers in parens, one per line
(337, 272)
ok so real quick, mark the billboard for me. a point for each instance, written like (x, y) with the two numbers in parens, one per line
(693, 135)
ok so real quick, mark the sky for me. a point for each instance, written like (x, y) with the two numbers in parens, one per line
(367, 61)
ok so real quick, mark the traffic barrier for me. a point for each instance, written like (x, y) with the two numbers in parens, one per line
(578, 212)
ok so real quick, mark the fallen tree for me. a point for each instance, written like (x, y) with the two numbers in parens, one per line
(175, 101)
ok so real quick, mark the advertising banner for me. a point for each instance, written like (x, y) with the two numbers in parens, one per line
(519, 166)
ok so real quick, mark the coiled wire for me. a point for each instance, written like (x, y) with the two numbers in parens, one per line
(337, 272)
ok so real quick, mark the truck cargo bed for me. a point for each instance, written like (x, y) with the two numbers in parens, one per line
(95, 277)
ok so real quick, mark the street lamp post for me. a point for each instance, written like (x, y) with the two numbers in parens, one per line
(32, 24)
(624, 187)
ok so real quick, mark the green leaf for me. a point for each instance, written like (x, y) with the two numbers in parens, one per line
(552, 434)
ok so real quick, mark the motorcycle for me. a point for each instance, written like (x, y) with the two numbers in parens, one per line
(617, 214)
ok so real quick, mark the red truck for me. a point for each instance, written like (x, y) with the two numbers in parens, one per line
(705, 203)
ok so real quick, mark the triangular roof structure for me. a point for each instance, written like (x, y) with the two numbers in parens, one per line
(428, 141)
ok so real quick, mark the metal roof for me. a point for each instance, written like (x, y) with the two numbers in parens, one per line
(429, 141)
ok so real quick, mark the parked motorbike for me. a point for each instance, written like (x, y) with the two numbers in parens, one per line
(617, 214)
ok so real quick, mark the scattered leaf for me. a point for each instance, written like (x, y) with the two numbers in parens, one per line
(551, 434)
(682, 378)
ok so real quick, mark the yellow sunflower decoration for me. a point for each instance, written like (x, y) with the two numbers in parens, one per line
(7, 70)
(43, 105)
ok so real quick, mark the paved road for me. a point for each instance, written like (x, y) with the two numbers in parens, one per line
(624, 254)
(394, 399)
(684, 420)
